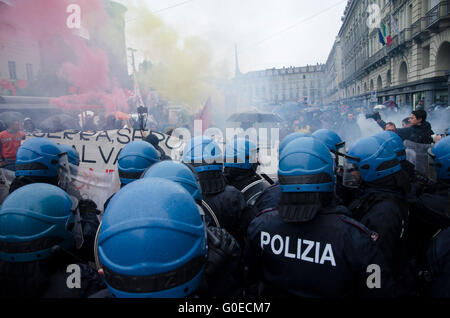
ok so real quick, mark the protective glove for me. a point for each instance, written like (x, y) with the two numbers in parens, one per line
(223, 250)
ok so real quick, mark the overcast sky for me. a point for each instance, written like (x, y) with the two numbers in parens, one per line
(268, 33)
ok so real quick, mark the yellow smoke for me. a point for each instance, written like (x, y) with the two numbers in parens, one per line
(182, 69)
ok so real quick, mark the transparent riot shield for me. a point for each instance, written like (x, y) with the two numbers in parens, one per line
(417, 154)
(432, 174)
(77, 229)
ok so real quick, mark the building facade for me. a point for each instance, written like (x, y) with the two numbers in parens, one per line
(276, 86)
(24, 58)
(414, 68)
(333, 74)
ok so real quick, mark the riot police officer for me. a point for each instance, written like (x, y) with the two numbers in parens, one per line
(162, 251)
(400, 150)
(224, 253)
(40, 160)
(40, 233)
(309, 246)
(134, 159)
(335, 143)
(433, 208)
(72, 154)
(382, 206)
(224, 201)
(270, 197)
(240, 167)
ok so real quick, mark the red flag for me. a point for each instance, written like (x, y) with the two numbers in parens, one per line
(389, 40)
(205, 115)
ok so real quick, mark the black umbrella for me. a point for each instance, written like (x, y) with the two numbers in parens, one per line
(59, 123)
(255, 117)
(10, 117)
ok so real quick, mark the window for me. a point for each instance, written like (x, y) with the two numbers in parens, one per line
(12, 70)
(29, 72)
(426, 57)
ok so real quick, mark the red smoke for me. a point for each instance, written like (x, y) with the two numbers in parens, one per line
(84, 67)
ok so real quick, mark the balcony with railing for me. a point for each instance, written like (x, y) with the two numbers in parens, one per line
(416, 28)
(438, 13)
(400, 40)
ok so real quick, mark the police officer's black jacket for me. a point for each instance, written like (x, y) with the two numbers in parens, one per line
(269, 198)
(439, 264)
(231, 210)
(327, 256)
(386, 212)
(429, 213)
(248, 182)
(227, 203)
(418, 133)
(48, 279)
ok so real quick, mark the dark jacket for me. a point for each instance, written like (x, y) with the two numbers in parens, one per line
(429, 213)
(232, 211)
(269, 198)
(47, 279)
(319, 258)
(439, 263)
(420, 134)
(248, 182)
(385, 212)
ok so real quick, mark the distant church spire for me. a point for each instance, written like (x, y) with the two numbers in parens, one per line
(237, 71)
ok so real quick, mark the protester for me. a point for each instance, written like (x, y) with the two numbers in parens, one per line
(419, 130)
(10, 140)
(390, 126)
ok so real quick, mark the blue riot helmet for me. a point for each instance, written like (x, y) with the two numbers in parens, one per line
(240, 153)
(396, 143)
(38, 157)
(152, 241)
(72, 154)
(373, 158)
(306, 165)
(134, 159)
(290, 138)
(441, 156)
(306, 177)
(34, 219)
(204, 154)
(330, 139)
(179, 173)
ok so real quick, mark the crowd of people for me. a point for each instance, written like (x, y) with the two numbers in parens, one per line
(362, 222)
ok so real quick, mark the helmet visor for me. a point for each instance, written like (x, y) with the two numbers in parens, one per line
(350, 177)
(64, 172)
